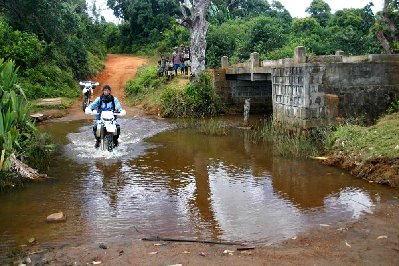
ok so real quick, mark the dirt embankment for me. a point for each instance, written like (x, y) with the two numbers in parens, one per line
(378, 170)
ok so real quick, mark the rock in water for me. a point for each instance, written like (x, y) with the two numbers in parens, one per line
(56, 217)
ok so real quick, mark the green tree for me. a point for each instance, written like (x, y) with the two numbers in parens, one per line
(50, 20)
(247, 8)
(349, 30)
(266, 34)
(146, 18)
(319, 10)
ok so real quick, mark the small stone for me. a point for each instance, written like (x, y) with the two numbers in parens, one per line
(102, 246)
(56, 217)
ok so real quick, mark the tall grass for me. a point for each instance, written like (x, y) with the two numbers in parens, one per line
(145, 82)
(197, 99)
(206, 126)
(288, 142)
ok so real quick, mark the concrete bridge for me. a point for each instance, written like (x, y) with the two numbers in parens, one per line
(306, 91)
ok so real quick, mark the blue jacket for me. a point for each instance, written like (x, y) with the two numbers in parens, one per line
(105, 106)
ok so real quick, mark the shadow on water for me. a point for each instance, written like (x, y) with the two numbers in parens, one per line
(179, 183)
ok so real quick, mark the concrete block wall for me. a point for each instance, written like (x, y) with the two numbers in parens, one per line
(259, 92)
(220, 84)
(298, 96)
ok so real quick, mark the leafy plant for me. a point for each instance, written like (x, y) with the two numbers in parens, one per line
(18, 135)
(393, 108)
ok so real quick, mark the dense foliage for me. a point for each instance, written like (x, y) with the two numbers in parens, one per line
(54, 43)
(18, 135)
(240, 27)
(351, 30)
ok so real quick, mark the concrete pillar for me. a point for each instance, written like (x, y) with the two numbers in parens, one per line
(247, 107)
(255, 59)
(225, 62)
(340, 52)
(254, 63)
(300, 55)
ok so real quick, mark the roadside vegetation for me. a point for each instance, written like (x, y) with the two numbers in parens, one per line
(174, 98)
(55, 45)
(19, 138)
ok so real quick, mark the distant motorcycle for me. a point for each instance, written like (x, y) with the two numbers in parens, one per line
(106, 127)
(87, 90)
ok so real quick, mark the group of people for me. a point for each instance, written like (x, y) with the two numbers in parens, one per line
(180, 59)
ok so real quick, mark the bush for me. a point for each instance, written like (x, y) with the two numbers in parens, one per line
(48, 80)
(197, 99)
(145, 81)
(393, 108)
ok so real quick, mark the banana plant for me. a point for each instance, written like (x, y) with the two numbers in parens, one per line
(14, 113)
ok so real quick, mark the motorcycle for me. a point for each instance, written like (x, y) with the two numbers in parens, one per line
(88, 87)
(106, 127)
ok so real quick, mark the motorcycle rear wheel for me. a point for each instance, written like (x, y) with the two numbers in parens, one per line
(85, 102)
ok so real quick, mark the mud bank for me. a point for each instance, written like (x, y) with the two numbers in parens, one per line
(373, 240)
(378, 170)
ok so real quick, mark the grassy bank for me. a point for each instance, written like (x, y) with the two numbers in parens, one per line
(172, 98)
(371, 152)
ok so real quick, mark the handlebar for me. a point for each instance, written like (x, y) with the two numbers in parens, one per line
(88, 83)
(88, 111)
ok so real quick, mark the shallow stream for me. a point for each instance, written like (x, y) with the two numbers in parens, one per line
(179, 183)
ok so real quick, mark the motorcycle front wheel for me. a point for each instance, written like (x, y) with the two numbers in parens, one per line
(110, 142)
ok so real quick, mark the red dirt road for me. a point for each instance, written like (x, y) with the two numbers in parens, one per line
(118, 70)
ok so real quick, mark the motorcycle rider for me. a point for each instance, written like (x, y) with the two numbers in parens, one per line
(106, 102)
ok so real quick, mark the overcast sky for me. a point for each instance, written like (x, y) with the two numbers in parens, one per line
(295, 7)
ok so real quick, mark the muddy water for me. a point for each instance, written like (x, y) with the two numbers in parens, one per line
(179, 183)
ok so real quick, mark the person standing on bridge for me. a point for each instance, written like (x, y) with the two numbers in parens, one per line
(106, 102)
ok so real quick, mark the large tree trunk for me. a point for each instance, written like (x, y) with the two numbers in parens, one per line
(196, 22)
(386, 40)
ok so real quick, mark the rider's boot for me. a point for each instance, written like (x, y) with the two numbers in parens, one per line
(116, 142)
(98, 141)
